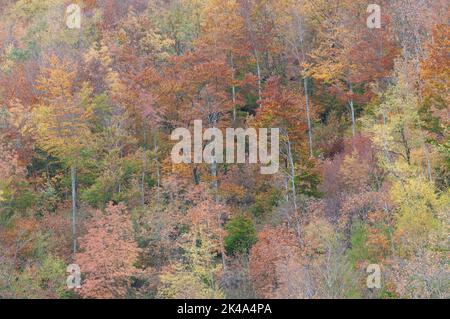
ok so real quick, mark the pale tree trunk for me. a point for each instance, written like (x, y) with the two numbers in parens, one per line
(427, 156)
(212, 122)
(233, 88)
(301, 56)
(158, 174)
(250, 30)
(286, 187)
(424, 144)
(293, 189)
(352, 110)
(73, 176)
(47, 169)
(144, 162)
(216, 199)
(308, 117)
(292, 173)
(214, 174)
(258, 71)
(158, 183)
(142, 186)
(385, 143)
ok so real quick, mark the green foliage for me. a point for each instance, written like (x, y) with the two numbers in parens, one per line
(118, 182)
(17, 201)
(47, 200)
(241, 235)
(359, 250)
(47, 281)
(309, 182)
(52, 275)
(264, 202)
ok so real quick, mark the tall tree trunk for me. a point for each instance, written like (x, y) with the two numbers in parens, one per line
(143, 187)
(258, 71)
(250, 30)
(286, 188)
(215, 184)
(352, 110)
(291, 164)
(308, 116)
(296, 218)
(47, 170)
(385, 143)
(144, 162)
(158, 174)
(233, 88)
(73, 177)
(427, 157)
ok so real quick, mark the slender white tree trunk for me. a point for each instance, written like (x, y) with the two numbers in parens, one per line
(427, 157)
(296, 216)
(73, 176)
(233, 88)
(385, 143)
(144, 164)
(292, 173)
(308, 117)
(158, 174)
(258, 72)
(352, 110)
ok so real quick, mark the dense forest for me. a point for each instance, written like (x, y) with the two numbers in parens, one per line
(87, 179)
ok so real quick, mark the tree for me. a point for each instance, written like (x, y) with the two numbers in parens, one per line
(108, 254)
(199, 276)
(58, 121)
(291, 22)
(352, 56)
(10, 171)
(358, 118)
(435, 73)
(420, 214)
(222, 34)
(259, 31)
(179, 20)
(422, 276)
(275, 246)
(279, 105)
(398, 130)
(241, 235)
(196, 89)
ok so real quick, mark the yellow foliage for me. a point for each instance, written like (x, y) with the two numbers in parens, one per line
(58, 121)
(178, 283)
(420, 212)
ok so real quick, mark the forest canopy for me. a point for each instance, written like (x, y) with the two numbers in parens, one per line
(86, 176)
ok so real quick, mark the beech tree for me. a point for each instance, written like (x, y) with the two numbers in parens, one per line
(58, 121)
(108, 254)
(275, 246)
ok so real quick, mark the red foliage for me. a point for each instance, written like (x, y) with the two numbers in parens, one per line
(275, 247)
(108, 253)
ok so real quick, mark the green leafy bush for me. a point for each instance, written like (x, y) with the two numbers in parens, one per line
(241, 235)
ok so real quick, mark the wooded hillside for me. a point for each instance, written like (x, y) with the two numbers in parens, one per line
(86, 175)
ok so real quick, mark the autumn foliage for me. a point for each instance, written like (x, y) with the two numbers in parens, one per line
(108, 254)
(87, 177)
